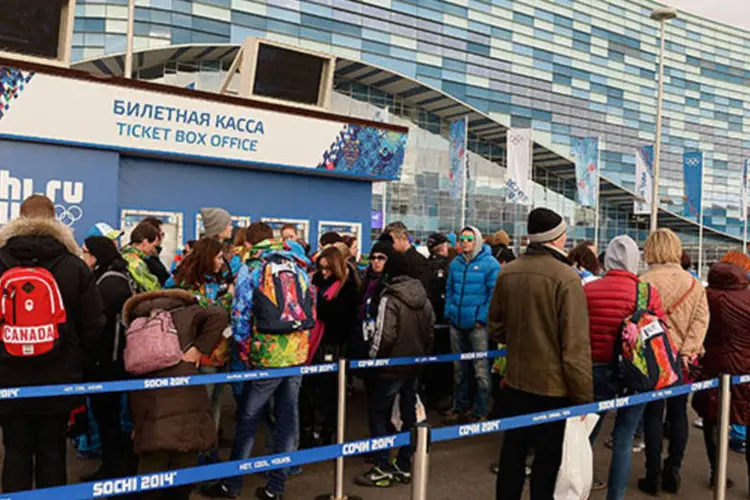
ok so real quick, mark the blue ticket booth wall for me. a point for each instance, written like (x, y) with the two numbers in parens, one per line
(90, 185)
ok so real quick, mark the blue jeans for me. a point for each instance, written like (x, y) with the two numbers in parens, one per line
(626, 425)
(256, 397)
(474, 340)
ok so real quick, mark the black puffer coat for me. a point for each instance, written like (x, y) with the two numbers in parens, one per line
(435, 280)
(49, 244)
(176, 418)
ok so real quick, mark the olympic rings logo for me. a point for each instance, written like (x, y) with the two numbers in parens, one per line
(68, 215)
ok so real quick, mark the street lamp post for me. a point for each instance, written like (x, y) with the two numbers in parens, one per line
(128, 70)
(661, 14)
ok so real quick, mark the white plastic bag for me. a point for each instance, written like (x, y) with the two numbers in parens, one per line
(396, 413)
(577, 467)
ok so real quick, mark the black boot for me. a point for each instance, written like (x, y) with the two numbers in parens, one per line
(671, 480)
(650, 485)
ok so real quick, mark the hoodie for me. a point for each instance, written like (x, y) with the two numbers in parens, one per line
(471, 282)
(404, 326)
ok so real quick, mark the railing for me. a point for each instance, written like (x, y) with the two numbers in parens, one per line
(421, 437)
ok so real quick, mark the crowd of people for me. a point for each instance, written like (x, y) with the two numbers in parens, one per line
(242, 299)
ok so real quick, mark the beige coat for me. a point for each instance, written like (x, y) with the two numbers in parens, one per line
(688, 322)
(539, 310)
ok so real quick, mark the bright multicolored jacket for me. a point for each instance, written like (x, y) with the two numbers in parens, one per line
(211, 293)
(138, 268)
(254, 349)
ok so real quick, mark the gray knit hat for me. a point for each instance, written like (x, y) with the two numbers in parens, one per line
(215, 221)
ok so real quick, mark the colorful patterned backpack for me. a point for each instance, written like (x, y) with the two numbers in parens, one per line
(647, 359)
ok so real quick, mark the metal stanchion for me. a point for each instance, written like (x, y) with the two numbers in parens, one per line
(338, 476)
(421, 465)
(720, 492)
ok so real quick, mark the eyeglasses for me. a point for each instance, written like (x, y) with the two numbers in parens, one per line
(379, 257)
(466, 238)
(324, 268)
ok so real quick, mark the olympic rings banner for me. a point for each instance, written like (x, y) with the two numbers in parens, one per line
(92, 114)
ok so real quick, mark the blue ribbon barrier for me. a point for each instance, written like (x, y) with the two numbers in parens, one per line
(504, 424)
(182, 477)
(423, 360)
(160, 383)
(740, 379)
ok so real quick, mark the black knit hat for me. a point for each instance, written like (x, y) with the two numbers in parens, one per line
(436, 239)
(545, 225)
(103, 249)
(383, 247)
(397, 265)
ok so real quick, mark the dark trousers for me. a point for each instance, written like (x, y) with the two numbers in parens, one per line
(118, 459)
(653, 418)
(161, 461)
(437, 378)
(384, 391)
(35, 448)
(710, 437)
(546, 440)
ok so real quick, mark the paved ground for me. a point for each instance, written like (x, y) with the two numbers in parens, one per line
(460, 469)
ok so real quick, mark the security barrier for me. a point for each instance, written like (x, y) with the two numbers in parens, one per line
(421, 438)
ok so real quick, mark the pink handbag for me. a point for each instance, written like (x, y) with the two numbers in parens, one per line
(152, 344)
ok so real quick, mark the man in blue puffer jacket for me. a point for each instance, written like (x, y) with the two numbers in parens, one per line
(471, 282)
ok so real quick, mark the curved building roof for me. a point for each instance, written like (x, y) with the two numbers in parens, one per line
(492, 128)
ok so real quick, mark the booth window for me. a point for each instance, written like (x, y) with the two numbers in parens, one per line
(31, 27)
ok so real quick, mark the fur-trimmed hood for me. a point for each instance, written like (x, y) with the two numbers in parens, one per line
(142, 304)
(40, 227)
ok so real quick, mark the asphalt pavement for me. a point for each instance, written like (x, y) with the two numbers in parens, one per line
(458, 469)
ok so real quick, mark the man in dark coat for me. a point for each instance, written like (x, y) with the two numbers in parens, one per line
(398, 234)
(438, 379)
(34, 430)
(403, 329)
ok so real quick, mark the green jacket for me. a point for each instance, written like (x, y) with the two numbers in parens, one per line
(138, 268)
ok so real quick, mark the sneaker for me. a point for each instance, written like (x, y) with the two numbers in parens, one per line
(400, 475)
(671, 481)
(495, 468)
(263, 494)
(649, 485)
(639, 446)
(528, 470)
(698, 423)
(217, 490)
(456, 418)
(375, 478)
(598, 485)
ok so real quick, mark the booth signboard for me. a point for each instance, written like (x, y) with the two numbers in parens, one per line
(172, 227)
(344, 229)
(237, 221)
(303, 227)
(154, 119)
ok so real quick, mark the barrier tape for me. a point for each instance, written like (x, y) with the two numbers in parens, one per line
(504, 424)
(192, 475)
(86, 388)
(422, 360)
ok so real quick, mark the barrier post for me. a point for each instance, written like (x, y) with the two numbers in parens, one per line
(725, 386)
(421, 465)
(338, 475)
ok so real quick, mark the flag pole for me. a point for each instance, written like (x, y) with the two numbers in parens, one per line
(464, 172)
(700, 225)
(744, 205)
(129, 40)
(598, 192)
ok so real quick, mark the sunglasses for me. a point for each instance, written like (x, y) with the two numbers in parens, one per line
(324, 268)
(466, 238)
(378, 257)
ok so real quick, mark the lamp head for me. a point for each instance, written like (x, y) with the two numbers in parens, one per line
(663, 13)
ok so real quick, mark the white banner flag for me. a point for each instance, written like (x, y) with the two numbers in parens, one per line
(519, 151)
(744, 190)
(644, 179)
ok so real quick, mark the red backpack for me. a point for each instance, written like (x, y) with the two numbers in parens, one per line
(31, 309)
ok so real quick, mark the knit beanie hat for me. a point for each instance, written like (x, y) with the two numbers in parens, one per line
(545, 225)
(383, 247)
(436, 239)
(104, 249)
(622, 253)
(215, 221)
(396, 266)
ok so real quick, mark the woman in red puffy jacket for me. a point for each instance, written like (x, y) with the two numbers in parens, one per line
(727, 347)
(611, 300)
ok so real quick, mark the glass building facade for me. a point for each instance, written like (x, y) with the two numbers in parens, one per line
(565, 68)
